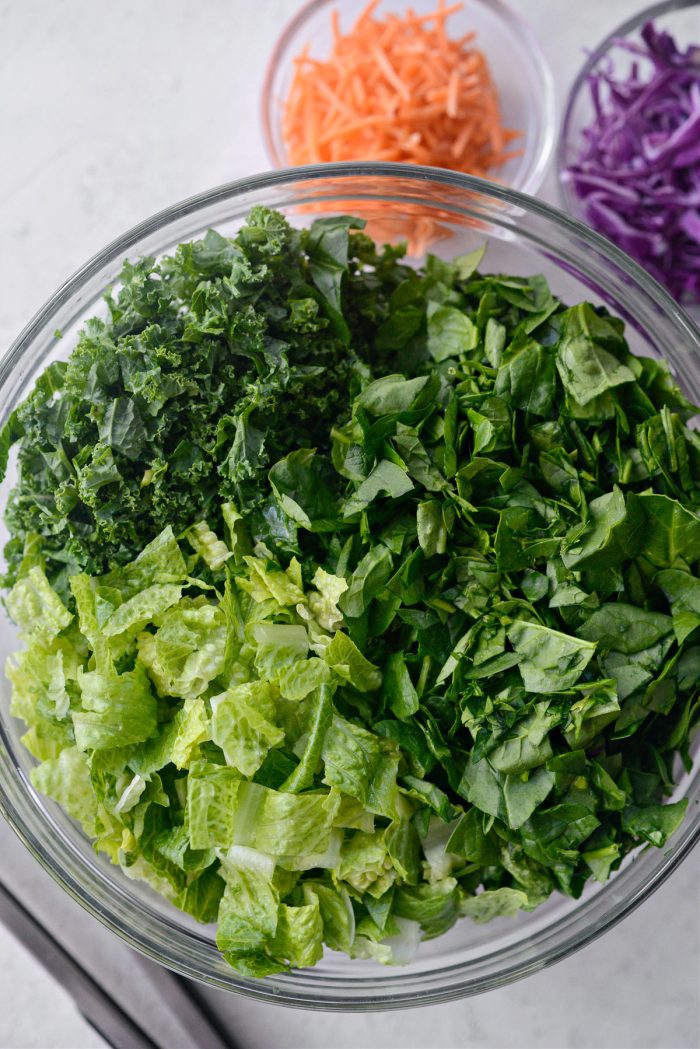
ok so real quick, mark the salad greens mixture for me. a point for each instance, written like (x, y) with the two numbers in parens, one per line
(356, 598)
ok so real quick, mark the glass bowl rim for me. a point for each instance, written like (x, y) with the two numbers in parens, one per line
(664, 7)
(304, 997)
(547, 102)
(515, 201)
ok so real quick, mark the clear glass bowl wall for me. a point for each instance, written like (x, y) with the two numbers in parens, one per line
(459, 213)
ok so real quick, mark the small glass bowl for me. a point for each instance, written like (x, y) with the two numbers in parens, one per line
(519, 67)
(680, 17)
(524, 236)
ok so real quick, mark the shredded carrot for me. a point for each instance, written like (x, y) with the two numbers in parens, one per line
(452, 103)
(399, 88)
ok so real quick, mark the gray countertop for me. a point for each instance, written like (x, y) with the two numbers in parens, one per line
(110, 112)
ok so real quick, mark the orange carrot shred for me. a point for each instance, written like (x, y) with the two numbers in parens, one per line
(366, 15)
(398, 87)
(452, 95)
(390, 74)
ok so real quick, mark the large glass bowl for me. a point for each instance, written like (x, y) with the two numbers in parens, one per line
(456, 213)
(518, 64)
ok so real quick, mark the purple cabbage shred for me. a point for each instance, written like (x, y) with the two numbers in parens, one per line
(638, 169)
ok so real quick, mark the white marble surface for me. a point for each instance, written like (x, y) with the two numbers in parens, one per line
(108, 112)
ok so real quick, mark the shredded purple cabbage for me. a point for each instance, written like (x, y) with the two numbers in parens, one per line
(638, 171)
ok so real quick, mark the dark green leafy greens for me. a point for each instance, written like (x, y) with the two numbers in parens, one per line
(357, 598)
(207, 367)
